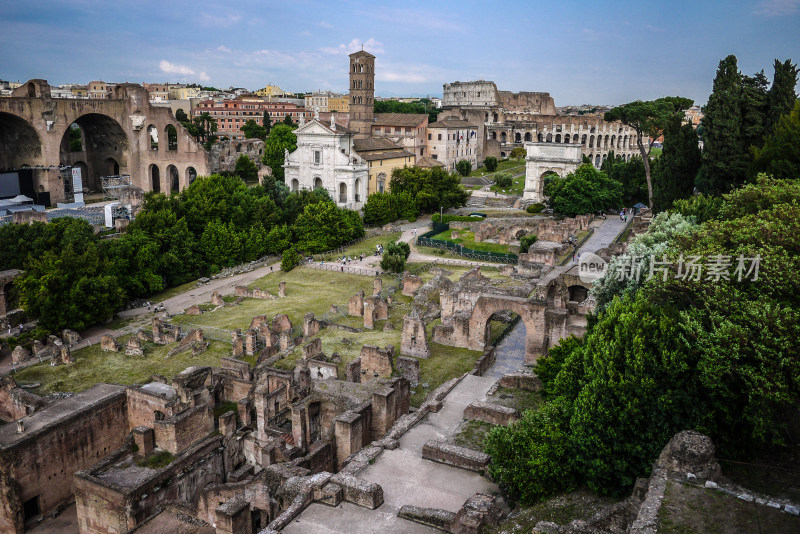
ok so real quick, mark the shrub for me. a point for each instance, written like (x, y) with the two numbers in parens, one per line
(535, 208)
(518, 153)
(490, 162)
(503, 179)
(290, 259)
(393, 263)
(526, 242)
(464, 167)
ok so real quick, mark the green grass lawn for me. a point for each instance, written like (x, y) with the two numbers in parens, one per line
(93, 366)
(366, 247)
(307, 290)
(445, 363)
(467, 240)
(517, 186)
(503, 165)
(655, 152)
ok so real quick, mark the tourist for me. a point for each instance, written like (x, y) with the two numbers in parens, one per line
(20, 328)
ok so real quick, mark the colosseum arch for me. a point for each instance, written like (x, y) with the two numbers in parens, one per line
(517, 137)
(558, 138)
(103, 144)
(527, 137)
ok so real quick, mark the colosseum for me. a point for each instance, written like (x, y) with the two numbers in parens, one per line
(507, 120)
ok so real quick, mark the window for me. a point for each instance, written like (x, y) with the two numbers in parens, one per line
(429, 137)
(440, 137)
(317, 157)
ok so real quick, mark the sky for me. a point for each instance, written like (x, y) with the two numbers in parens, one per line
(582, 52)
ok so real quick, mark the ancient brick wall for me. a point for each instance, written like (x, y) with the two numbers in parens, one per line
(142, 406)
(40, 462)
(178, 432)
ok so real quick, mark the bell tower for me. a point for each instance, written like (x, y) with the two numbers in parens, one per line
(362, 93)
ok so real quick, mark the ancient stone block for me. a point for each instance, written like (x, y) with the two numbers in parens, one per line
(312, 349)
(356, 305)
(216, 299)
(193, 310)
(70, 337)
(376, 362)
(238, 347)
(37, 347)
(282, 289)
(281, 323)
(134, 347)
(227, 423)
(108, 343)
(411, 284)
(144, 336)
(285, 340)
(414, 341)
(20, 354)
(524, 381)
(490, 413)
(144, 439)
(353, 371)
(250, 342)
(454, 455)
(258, 321)
(66, 355)
(377, 286)
(369, 314)
(323, 370)
(409, 368)
(311, 326)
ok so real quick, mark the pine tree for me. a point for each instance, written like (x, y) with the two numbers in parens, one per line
(781, 97)
(754, 109)
(725, 155)
(676, 168)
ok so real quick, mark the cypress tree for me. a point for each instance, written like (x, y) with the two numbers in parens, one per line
(725, 157)
(676, 168)
(754, 109)
(781, 96)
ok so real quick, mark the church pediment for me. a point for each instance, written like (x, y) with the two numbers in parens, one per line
(313, 127)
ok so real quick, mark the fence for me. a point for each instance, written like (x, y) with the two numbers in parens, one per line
(426, 240)
(338, 267)
(342, 248)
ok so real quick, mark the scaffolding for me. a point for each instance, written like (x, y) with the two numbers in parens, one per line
(112, 185)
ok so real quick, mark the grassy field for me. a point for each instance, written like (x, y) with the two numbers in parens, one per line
(517, 186)
(504, 165)
(366, 247)
(445, 363)
(457, 272)
(307, 290)
(93, 366)
(466, 239)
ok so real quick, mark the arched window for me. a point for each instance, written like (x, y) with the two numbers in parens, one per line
(527, 136)
(295, 185)
(502, 137)
(494, 135)
(317, 182)
(539, 137)
(494, 116)
(597, 161)
(605, 142)
(381, 182)
(591, 141)
(31, 90)
(342, 193)
(152, 134)
(356, 189)
(172, 137)
(517, 138)
(155, 178)
(174, 182)
(549, 138)
(191, 175)
(558, 138)
(583, 140)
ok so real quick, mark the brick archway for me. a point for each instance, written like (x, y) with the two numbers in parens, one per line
(531, 313)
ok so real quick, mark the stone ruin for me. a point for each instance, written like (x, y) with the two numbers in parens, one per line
(193, 341)
(193, 310)
(164, 333)
(376, 362)
(375, 309)
(414, 340)
(108, 343)
(134, 347)
(411, 284)
(282, 289)
(255, 293)
(216, 299)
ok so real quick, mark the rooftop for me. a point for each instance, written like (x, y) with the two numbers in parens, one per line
(375, 143)
(399, 119)
(387, 155)
(80, 404)
(451, 123)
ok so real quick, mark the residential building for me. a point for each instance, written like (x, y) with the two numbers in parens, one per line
(382, 156)
(451, 140)
(98, 90)
(339, 104)
(325, 158)
(231, 115)
(270, 90)
(157, 92)
(80, 91)
(183, 92)
(408, 129)
(319, 100)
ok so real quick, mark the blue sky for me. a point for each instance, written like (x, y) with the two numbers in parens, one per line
(598, 52)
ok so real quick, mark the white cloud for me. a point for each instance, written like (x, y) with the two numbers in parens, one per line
(219, 21)
(370, 45)
(223, 48)
(777, 8)
(326, 25)
(172, 68)
(203, 77)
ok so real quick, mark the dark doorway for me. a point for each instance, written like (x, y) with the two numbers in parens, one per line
(31, 509)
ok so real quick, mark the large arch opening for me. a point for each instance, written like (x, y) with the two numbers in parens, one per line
(173, 177)
(317, 183)
(152, 136)
(558, 138)
(549, 138)
(19, 143)
(577, 293)
(499, 325)
(155, 178)
(100, 142)
(517, 138)
(527, 136)
(295, 184)
(539, 137)
(172, 137)
(191, 175)
(503, 137)
(342, 193)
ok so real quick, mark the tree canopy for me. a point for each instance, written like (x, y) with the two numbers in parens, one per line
(586, 190)
(431, 189)
(648, 119)
(281, 138)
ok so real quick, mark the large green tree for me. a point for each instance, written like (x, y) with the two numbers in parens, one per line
(323, 226)
(281, 139)
(780, 155)
(253, 130)
(782, 96)
(648, 119)
(245, 168)
(725, 155)
(431, 189)
(675, 170)
(586, 190)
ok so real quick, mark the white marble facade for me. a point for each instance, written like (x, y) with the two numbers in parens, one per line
(325, 158)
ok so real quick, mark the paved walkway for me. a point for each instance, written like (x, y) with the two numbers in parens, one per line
(605, 234)
(408, 479)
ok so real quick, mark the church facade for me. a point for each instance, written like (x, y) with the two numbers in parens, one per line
(325, 158)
